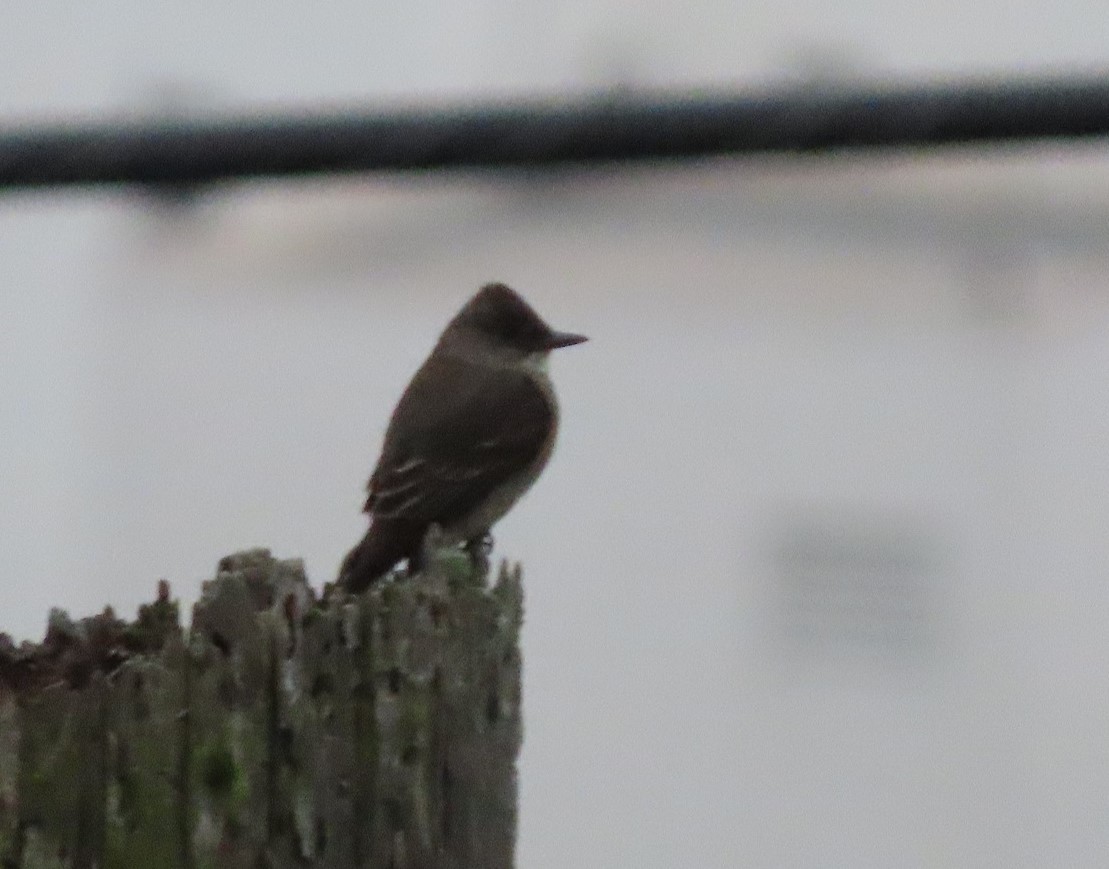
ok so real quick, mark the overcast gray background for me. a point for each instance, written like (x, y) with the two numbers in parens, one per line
(817, 576)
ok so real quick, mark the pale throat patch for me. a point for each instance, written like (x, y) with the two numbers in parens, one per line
(537, 363)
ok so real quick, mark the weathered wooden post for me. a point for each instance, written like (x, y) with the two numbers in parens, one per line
(279, 730)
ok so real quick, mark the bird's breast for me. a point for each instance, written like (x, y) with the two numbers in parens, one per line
(502, 498)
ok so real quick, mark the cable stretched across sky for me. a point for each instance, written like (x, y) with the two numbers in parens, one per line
(615, 128)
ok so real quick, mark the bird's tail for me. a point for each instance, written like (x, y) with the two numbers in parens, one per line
(381, 548)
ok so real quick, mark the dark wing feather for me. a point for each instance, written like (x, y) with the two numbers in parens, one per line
(477, 426)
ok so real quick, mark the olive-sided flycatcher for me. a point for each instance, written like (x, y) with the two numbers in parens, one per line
(469, 436)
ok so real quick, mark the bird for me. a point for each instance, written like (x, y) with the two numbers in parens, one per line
(470, 435)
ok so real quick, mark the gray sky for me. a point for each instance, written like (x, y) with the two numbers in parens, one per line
(58, 58)
(798, 371)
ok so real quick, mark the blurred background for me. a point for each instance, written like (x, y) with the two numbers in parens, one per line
(817, 576)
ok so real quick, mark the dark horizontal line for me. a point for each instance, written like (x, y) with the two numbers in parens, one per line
(617, 128)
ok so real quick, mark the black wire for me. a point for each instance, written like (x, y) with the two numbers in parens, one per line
(184, 153)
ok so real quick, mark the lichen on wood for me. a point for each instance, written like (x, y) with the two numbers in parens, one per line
(281, 729)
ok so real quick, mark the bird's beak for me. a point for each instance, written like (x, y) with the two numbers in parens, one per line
(563, 339)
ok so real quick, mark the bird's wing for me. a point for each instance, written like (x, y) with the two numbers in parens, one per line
(477, 426)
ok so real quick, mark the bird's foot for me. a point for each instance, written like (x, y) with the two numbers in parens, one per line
(479, 549)
(428, 551)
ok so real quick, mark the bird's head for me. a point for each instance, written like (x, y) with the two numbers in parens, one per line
(499, 321)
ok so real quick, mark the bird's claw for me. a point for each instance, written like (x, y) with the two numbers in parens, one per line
(479, 549)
